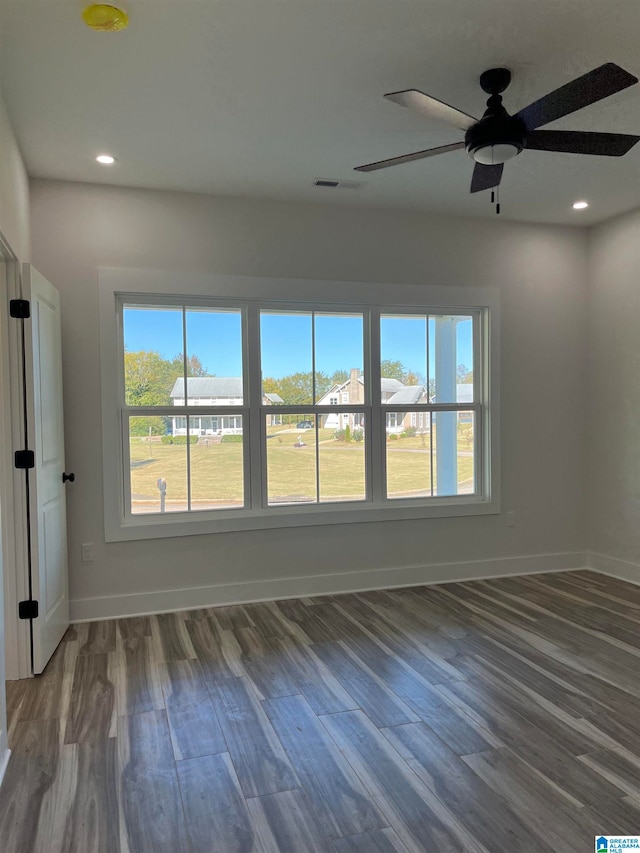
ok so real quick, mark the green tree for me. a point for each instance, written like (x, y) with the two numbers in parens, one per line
(194, 366)
(297, 389)
(390, 369)
(464, 375)
(339, 376)
(270, 385)
(148, 381)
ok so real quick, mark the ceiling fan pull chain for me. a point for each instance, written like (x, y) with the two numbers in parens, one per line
(498, 202)
(493, 196)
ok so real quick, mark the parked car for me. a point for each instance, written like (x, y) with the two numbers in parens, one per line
(304, 425)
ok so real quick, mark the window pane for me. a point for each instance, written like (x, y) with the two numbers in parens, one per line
(217, 479)
(454, 453)
(285, 344)
(214, 357)
(153, 347)
(403, 359)
(451, 358)
(339, 358)
(158, 467)
(291, 459)
(408, 455)
(341, 460)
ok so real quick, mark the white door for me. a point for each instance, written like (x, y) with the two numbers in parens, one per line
(47, 503)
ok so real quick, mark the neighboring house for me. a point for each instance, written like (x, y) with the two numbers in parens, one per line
(393, 393)
(273, 400)
(351, 392)
(397, 420)
(214, 391)
(227, 391)
(346, 393)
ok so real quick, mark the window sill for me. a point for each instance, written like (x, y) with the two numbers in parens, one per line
(227, 521)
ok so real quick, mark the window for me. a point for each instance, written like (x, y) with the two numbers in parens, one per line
(238, 413)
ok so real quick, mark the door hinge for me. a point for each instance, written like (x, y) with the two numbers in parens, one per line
(24, 459)
(19, 309)
(28, 609)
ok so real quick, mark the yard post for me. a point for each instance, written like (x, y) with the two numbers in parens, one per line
(162, 488)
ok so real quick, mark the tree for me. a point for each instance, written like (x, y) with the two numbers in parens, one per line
(339, 376)
(297, 389)
(390, 369)
(464, 375)
(148, 381)
(194, 366)
(270, 385)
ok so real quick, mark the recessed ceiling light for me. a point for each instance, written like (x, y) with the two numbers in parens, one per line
(580, 205)
(105, 18)
(106, 159)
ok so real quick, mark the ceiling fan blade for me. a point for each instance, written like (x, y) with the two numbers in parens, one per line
(432, 108)
(591, 87)
(486, 177)
(409, 158)
(582, 142)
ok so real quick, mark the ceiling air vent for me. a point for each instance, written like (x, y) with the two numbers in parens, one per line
(333, 184)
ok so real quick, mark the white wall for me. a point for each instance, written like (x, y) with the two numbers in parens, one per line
(14, 228)
(542, 274)
(14, 190)
(614, 397)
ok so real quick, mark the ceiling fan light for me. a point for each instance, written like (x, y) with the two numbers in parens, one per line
(493, 155)
(580, 205)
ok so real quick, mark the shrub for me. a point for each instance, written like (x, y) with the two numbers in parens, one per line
(231, 439)
(339, 435)
(179, 439)
(409, 432)
(347, 433)
(393, 436)
(357, 434)
(140, 426)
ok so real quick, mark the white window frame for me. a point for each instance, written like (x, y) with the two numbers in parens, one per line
(122, 285)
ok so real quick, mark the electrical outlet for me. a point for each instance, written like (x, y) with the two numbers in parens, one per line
(87, 552)
(511, 519)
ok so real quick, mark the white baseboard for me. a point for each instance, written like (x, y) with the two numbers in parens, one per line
(166, 601)
(622, 569)
(4, 763)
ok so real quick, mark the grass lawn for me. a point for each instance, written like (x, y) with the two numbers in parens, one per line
(217, 470)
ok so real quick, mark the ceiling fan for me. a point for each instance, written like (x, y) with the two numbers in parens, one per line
(498, 136)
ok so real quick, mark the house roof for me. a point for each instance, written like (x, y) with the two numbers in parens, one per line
(464, 392)
(390, 384)
(208, 386)
(409, 394)
(231, 386)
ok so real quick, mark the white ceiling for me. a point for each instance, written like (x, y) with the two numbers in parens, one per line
(259, 97)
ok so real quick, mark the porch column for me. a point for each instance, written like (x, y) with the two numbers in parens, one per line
(446, 422)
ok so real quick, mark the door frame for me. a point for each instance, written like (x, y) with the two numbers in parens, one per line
(13, 495)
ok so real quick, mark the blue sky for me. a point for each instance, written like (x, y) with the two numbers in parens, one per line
(215, 337)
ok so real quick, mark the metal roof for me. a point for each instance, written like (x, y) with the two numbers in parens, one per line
(410, 394)
(208, 386)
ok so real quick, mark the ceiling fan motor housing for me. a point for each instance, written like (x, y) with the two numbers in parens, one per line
(497, 137)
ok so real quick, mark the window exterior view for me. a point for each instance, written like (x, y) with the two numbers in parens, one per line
(320, 407)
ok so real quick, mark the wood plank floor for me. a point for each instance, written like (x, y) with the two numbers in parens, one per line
(485, 717)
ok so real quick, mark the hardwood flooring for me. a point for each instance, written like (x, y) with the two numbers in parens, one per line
(486, 717)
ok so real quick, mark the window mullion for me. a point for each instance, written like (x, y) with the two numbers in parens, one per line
(186, 400)
(256, 451)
